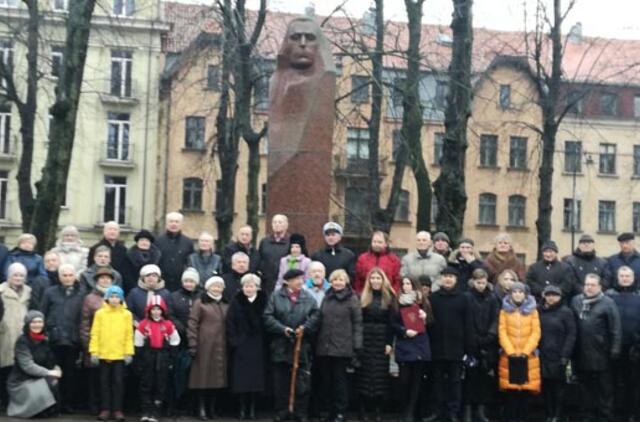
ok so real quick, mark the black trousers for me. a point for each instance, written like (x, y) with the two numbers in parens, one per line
(553, 394)
(516, 406)
(281, 384)
(67, 360)
(335, 385)
(625, 381)
(410, 378)
(478, 386)
(154, 374)
(111, 384)
(447, 379)
(597, 394)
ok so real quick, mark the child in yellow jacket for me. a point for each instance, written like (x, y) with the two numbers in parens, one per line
(111, 346)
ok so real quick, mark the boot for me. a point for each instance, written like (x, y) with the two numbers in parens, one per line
(339, 418)
(252, 407)
(212, 408)
(243, 407)
(202, 410)
(468, 413)
(481, 414)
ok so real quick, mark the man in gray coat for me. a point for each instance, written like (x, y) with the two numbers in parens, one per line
(423, 261)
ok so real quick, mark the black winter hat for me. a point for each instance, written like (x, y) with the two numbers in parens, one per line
(144, 234)
(292, 274)
(298, 239)
(441, 236)
(625, 236)
(550, 244)
(552, 290)
(450, 270)
(586, 238)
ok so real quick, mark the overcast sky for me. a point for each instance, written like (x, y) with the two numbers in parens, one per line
(608, 18)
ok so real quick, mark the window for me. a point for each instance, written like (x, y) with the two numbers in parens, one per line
(517, 207)
(438, 145)
(194, 132)
(636, 217)
(609, 104)
(115, 199)
(505, 96)
(441, 94)
(121, 64)
(57, 56)
(636, 160)
(357, 145)
(572, 217)
(488, 150)
(574, 101)
(213, 77)
(607, 216)
(398, 142)
(59, 5)
(636, 106)
(572, 156)
(359, 89)
(5, 129)
(124, 8)
(487, 209)
(192, 194)
(397, 95)
(518, 153)
(6, 57)
(402, 211)
(4, 183)
(607, 159)
(357, 211)
(118, 136)
(8, 3)
(263, 202)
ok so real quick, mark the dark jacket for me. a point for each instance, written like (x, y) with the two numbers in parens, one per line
(180, 303)
(38, 286)
(138, 298)
(206, 265)
(271, 251)
(452, 332)
(556, 273)
(231, 248)
(136, 259)
(175, 249)
(247, 346)
(340, 324)
(336, 257)
(280, 313)
(231, 284)
(62, 310)
(89, 282)
(4, 252)
(614, 262)
(118, 254)
(485, 308)
(558, 328)
(599, 332)
(31, 260)
(465, 268)
(409, 349)
(627, 299)
(585, 263)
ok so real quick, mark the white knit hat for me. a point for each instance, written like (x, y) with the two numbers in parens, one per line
(214, 279)
(191, 274)
(150, 269)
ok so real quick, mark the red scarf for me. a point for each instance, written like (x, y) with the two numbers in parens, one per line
(36, 336)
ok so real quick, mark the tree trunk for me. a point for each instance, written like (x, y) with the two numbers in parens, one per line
(450, 185)
(545, 175)
(412, 115)
(253, 198)
(52, 186)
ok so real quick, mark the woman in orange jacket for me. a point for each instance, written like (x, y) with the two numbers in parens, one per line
(519, 334)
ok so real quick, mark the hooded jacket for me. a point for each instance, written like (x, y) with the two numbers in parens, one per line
(156, 334)
(112, 333)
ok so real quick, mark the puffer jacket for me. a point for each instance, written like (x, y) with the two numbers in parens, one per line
(62, 307)
(386, 260)
(112, 333)
(519, 333)
(280, 313)
(585, 263)
(16, 305)
(31, 260)
(340, 324)
(138, 298)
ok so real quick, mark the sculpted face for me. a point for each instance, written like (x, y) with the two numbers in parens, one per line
(302, 44)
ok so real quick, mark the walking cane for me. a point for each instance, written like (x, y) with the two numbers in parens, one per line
(294, 370)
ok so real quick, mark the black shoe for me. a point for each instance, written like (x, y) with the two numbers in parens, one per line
(432, 418)
(202, 411)
(481, 415)
(339, 418)
(252, 408)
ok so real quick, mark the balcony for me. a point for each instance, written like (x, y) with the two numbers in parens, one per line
(119, 94)
(117, 155)
(121, 215)
(8, 148)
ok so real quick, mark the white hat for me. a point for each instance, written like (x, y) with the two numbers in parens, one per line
(332, 225)
(214, 279)
(191, 274)
(150, 269)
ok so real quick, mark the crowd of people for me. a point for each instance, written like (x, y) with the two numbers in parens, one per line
(179, 327)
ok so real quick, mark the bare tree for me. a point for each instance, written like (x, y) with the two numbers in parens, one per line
(450, 185)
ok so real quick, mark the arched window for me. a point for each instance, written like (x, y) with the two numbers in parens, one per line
(517, 206)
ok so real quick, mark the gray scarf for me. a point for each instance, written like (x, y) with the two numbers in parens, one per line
(407, 298)
(587, 303)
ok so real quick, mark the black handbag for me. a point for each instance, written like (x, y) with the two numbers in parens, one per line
(518, 370)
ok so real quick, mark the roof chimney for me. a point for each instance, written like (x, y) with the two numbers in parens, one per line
(575, 33)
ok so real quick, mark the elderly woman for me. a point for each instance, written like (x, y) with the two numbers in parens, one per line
(204, 260)
(207, 337)
(70, 250)
(33, 381)
(15, 296)
(25, 254)
(503, 258)
(144, 252)
(246, 339)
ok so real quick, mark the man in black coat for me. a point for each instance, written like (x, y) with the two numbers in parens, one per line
(62, 305)
(549, 271)
(628, 256)
(452, 334)
(334, 256)
(175, 248)
(584, 261)
(242, 244)
(272, 248)
(240, 263)
(599, 343)
(290, 313)
(110, 235)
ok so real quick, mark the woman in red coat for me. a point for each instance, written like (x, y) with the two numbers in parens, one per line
(379, 256)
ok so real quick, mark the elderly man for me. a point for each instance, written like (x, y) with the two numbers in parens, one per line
(272, 248)
(334, 256)
(549, 271)
(599, 344)
(422, 262)
(584, 261)
(628, 256)
(175, 248)
(442, 244)
(101, 259)
(240, 264)
(110, 236)
(242, 244)
(61, 305)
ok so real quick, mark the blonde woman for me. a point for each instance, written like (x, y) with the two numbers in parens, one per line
(503, 257)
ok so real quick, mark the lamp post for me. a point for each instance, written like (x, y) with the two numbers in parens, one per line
(577, 160)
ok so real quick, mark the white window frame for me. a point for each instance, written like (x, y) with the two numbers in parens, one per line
(120, 201)
(125, 63)
(5, 132)
(4, 186)
(123, 135)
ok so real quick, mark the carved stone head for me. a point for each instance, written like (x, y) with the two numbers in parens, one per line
(305, 48)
